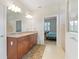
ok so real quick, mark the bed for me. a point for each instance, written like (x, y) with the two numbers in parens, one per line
(51, 35)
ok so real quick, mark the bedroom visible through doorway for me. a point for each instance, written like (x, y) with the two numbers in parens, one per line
(50, 28)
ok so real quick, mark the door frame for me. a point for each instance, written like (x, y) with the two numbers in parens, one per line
(57, 36)
(4, 18)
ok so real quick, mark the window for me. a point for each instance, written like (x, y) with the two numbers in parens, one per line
(73, 26)
(47, 26)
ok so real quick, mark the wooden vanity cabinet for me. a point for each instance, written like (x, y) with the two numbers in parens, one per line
(18, 47)
(12, 48)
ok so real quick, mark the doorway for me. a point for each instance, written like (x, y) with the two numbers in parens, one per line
(50, 28)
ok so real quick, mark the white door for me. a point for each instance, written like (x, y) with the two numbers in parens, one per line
(3, 44)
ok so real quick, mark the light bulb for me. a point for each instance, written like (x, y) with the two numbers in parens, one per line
(14, 8)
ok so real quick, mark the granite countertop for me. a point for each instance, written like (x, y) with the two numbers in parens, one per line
(20, 34)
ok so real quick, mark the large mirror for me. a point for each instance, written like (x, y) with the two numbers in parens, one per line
(14, 21)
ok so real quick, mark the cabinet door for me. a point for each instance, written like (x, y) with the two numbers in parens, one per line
(35, 38)
(23, 47)
(20, 50)
(12, 48)
(25, 44)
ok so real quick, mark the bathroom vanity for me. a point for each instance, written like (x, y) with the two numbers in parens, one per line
(19, 44)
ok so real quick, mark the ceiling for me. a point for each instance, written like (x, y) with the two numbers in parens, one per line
(35, 5)
(40, 6)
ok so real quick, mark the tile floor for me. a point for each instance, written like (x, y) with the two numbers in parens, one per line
(52, 51)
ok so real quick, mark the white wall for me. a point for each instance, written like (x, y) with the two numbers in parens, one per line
(28, 24)
(61, 28)
(62, 17)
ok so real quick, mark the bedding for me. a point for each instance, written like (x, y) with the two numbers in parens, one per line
(51, 35)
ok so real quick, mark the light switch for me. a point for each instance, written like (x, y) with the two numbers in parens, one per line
(11, 43)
